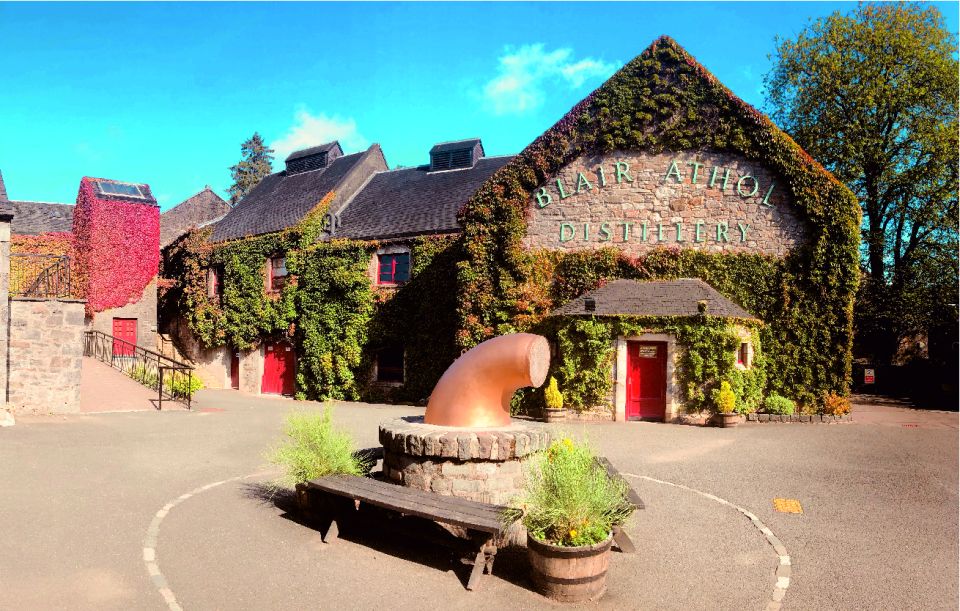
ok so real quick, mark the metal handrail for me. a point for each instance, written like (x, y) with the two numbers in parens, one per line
(40, 276)
(144, 366)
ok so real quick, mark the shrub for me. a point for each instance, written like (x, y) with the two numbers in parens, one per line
(143, 375)
(552, 395)
(724, 399)
(179, 385)
(836, 405)
(315, 448)
(777, 404)
(569, 500)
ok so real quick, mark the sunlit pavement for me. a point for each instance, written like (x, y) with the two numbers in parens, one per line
(81, 496)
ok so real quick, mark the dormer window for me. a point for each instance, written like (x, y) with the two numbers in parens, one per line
(455, 155)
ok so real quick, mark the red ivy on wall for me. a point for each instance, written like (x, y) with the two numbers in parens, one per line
(118, 247)
(52, 243)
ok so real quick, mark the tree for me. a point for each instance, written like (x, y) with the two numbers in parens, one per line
(872, 95)
(255, 164)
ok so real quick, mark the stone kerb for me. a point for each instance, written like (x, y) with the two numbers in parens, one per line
(480, 464)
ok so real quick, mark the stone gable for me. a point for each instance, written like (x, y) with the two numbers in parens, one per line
(709, 201)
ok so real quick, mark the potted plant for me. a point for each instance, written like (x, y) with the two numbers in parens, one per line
(726, 402)
(569, 508)
(553, 399)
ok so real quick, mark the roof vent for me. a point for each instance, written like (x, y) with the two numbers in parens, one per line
(589, 304)
(313, 158)
(455, 155)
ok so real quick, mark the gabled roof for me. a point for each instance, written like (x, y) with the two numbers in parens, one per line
(313, 150)
(280, 200)
(654, 298)
(413, 201)
(455, 145)
(34, 218)
(191, 212)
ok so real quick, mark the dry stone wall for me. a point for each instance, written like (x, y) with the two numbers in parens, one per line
(45, 355)
(709, 201)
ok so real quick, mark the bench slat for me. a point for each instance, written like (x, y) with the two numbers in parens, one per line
(367, 487)
(451, 510)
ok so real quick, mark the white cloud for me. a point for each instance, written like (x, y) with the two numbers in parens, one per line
(525, 74)
(310, 130)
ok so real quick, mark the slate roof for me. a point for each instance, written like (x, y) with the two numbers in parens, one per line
(413, 201)
(34, 218)
(655, 298)
(322, 148)
(280, 200)
(191, 212)
(455, 145)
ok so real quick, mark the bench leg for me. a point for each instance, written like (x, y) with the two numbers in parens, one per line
(478, 565)
(623, 541)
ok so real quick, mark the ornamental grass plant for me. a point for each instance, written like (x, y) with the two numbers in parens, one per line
(569, 499)
(313, 448)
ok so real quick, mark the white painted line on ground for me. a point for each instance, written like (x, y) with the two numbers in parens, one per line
(150, 558)
(782, 581)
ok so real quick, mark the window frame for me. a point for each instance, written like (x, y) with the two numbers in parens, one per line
(393, 268)
(399, 373)
(273, 286)
(215, 282)
(743, 355)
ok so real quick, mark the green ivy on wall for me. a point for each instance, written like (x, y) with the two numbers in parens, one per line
(665, 101)
(706, 355)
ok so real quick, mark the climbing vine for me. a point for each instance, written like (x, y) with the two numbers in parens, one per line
(117, 248)
(665, 101)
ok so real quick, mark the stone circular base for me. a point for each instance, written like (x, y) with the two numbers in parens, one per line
(482, 464)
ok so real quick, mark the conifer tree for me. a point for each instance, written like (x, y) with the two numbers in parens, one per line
(255, 164)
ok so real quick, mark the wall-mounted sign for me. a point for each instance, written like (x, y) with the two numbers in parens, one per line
(637, 202)
(868, 376)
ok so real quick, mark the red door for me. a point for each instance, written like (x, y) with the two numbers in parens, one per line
(279, 365)
(124, 329)
(646, 380)
(235, 368)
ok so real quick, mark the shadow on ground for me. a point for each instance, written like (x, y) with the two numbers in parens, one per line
(408, 538)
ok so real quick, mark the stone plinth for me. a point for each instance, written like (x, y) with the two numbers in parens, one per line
(482, 464)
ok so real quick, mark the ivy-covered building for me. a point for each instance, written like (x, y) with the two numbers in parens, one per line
(664, 235)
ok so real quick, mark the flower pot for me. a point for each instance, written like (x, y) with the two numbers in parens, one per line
(726, 420)
(554, 415)
(569, 574)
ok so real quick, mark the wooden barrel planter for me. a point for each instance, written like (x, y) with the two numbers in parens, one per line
(569, 574)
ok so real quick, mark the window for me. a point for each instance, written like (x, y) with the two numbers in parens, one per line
(276, 273)
(214, 282)
(743, 355)
(390, 365)
(393, 268)
(120, 188)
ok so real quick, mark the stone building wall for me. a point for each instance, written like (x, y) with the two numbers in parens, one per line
(144, 310)
(4, 303)
(45, 355)
(636, 202)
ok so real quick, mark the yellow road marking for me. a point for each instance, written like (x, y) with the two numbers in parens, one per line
(787, 505)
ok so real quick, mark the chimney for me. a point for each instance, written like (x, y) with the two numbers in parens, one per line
(313, 158)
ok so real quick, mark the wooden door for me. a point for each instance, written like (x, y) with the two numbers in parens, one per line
(646, 380)
(279, 367)
(234, 368)
(124, 329)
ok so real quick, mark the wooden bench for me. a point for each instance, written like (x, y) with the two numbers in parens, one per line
(332, 499)
(483, 522)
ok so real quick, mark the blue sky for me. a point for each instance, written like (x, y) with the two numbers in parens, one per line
(165, 93)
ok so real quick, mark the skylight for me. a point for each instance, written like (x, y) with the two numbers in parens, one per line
(120, 188)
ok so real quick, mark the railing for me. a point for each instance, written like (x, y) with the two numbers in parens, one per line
(40, 276)
(172, 379)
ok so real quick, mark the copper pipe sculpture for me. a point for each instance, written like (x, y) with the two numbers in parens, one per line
(475, 391)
